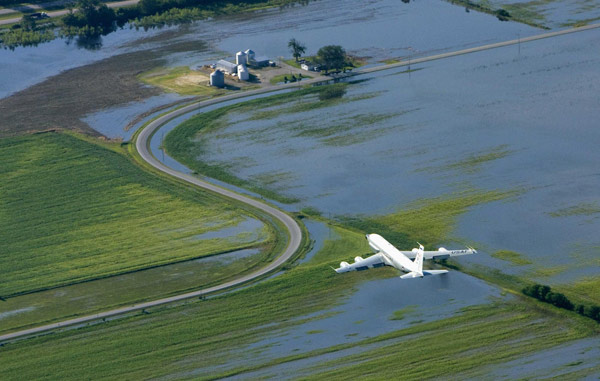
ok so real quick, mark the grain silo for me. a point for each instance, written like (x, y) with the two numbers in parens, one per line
(249, 56)
(243, 73)
(241, 58)
(217, 79)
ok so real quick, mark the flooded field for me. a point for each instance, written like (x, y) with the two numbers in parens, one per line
(98, 80)
(550, 13)
(520, 119)
(513, 119)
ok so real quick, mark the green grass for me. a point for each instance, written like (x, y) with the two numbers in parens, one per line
(461, 347)
(72, 211)
(401, 314)
(584, 290)
(512, 256)
(429, 221)
(174, 341)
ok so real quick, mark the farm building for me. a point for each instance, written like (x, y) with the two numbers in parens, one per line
(309, 66)
(217, 79)
(227, 67)
(259, 61)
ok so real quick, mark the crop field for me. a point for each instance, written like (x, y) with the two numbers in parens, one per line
(201, 339)
(72, 211)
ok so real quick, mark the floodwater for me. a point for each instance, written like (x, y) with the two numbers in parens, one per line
(374, 29)
(577, 356)
(518, 118)
(367, 312)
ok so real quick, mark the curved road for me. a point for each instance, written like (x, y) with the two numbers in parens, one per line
(294, 230)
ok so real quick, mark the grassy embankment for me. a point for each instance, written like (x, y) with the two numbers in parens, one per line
(73, 211)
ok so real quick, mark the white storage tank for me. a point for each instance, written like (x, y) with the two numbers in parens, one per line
(241, 58)
(243, 73)
(217, 79)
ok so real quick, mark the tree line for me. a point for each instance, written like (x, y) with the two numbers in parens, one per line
(92, 18)
(329, 57)
(545, 294)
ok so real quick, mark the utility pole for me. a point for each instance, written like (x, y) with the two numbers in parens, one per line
(162, 148)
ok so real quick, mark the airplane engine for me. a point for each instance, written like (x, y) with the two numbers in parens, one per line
(357, 259)
(415, 250)
(442, 249)
(344, 264)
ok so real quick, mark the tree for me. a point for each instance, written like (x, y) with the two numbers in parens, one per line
(149, 7)
(331, 57)
(297, 48)
(28, 23)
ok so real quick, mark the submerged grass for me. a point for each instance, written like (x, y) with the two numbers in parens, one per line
(183, 144)
(430, 221)
(473, 162)
(582, 209)
(73, 211)
(512, 256)
(468, 343)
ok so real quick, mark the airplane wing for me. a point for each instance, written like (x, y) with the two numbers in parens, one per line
(360, 264)
(441, 253)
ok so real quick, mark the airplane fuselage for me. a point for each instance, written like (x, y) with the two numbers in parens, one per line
(392, 255)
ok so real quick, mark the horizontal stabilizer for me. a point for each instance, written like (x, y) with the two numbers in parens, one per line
(434, 272)
(425, 273)
(411, 275)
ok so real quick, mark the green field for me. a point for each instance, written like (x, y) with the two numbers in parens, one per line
(72, 211)
(191, 341)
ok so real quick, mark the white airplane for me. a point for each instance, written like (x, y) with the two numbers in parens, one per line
(388, 255)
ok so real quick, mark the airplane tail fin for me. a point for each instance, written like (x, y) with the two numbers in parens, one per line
(419, 259)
